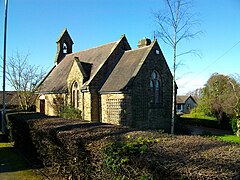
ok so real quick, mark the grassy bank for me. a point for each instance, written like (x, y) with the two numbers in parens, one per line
(198, 119)
(229, 138)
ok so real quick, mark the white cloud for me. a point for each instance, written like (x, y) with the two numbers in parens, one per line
(190, 83)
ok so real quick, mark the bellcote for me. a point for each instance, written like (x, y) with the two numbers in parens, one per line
(64, 46)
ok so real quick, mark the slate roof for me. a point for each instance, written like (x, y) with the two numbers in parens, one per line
(183, 99)
(123, 74)
(11, 98)
(91, 61)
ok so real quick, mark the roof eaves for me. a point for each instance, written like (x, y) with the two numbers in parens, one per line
(113, 92)
(51, 92)
(192, 98)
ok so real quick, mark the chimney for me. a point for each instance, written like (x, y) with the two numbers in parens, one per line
(144, 42)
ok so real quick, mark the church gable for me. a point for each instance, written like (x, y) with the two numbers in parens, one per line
(143, 78)
(75, 80)
(76, 74)
(151, 92)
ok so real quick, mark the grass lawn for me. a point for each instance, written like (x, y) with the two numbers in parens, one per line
(230, 138)
(14, 166)
(199, 116)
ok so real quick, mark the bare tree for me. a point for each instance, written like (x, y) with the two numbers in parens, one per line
(175, 24)
(23, 78)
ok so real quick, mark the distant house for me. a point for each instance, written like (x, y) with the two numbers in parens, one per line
(12, 100)
(184, 104)
(110, 83)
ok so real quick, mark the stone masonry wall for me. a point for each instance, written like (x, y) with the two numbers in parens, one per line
(75, 75)
(52, 103)
(146, 114)
(87, 106)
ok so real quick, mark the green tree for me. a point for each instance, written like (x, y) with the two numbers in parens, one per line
(220, 98)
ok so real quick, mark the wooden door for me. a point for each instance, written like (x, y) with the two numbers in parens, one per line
(42, 106)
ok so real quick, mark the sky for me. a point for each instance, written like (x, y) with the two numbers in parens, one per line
(35, 25)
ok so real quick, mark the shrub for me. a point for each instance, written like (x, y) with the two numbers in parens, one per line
(69, 112)
(195, 113)
(119, 153)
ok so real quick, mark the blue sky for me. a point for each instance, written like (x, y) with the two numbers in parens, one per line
(35, 25)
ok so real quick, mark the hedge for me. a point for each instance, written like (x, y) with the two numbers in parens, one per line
(66, 148)
(74, 149)
(202, 122)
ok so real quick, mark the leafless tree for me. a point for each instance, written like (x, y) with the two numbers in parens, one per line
(174, 24)
(23, 78)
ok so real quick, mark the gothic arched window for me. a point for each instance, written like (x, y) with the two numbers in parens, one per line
(155, 87)
(75, 95)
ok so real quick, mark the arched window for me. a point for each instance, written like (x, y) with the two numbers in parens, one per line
(75, 95)
(155, 87)
(65, 48)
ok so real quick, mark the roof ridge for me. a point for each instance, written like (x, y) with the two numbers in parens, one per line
(136, 49)
(91, 48)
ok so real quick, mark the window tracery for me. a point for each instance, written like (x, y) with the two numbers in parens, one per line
(75, 95)
(155, 87)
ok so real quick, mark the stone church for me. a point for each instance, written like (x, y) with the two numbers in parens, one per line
(110, 83)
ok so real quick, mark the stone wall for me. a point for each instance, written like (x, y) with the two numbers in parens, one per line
(145, 113)
(53, 103)
(75, 75)
(116, 109)
(87, 106)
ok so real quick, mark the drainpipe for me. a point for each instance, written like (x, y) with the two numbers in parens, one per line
(83, 110)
